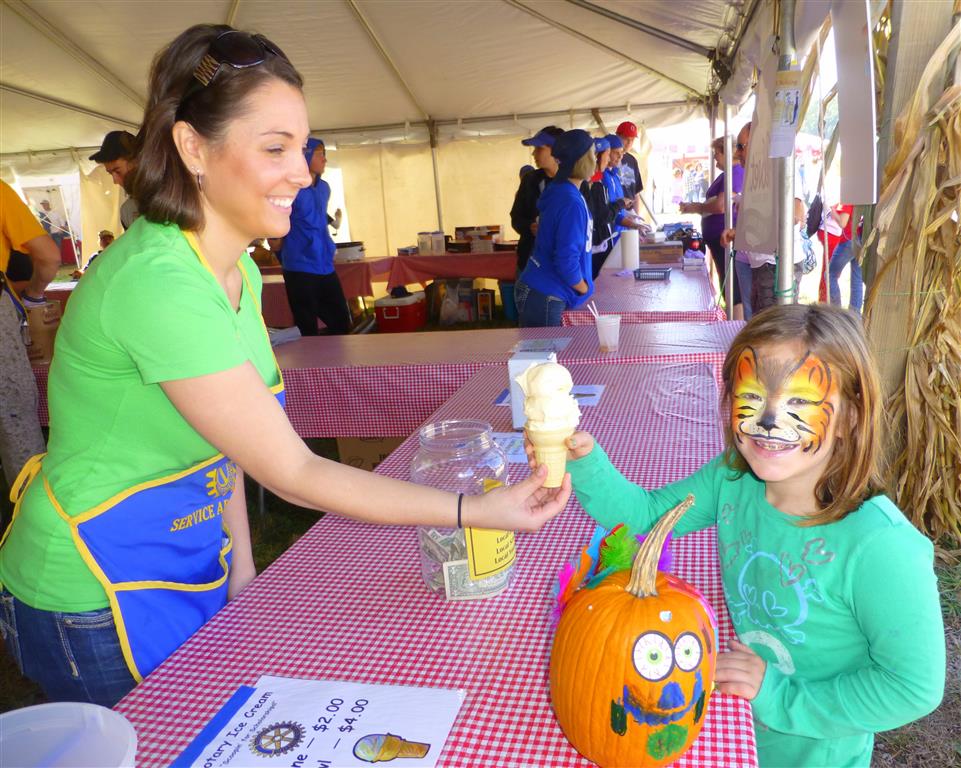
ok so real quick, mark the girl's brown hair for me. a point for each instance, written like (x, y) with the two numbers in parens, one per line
(837, 337)
(164, 188)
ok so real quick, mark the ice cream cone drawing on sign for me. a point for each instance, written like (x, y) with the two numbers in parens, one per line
(552, 416)
(383, 747)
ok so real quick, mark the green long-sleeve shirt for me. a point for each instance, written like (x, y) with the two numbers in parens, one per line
(846, 615)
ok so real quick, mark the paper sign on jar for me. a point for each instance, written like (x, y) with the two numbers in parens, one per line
(489, 552)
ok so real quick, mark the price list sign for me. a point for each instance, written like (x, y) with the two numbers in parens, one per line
(325, 724)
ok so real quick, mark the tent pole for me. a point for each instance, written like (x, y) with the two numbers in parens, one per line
(432, 127)
(640, 26)
(784, 290)
(63, 105)
(602, 46)
(728, 209)
(712, 129)
(58, 38)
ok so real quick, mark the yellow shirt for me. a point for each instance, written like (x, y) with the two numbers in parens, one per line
(18, 225)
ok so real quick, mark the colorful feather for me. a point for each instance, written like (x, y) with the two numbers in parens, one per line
(666, 562)
(618, 550)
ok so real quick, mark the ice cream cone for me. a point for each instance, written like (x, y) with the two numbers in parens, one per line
(413, 749)
(550, 448)
(384, 747)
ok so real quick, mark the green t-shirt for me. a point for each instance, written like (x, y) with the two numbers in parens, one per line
(846, 615)
(147, 311)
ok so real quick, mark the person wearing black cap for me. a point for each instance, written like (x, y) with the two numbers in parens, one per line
(117, 154)
(524, 210)
(558, 272)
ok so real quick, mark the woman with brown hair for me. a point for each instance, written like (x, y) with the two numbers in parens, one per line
(132, 530)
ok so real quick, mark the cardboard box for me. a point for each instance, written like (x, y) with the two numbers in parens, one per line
(516, 365)
(42, 322)
(670, 252)
(366, 452)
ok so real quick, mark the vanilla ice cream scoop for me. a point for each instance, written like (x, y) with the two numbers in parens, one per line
(548, 403)
(552, 416)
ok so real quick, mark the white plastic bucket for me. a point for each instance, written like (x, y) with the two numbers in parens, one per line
(66, 735)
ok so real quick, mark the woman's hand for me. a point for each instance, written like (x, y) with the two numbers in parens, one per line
(727, 237)
(740, 671)
(578, 445)
(689, 207)
(580, 287)
(524, 506)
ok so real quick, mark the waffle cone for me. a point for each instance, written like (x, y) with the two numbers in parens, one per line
(395, 747)
(413, 749)
(550, 448)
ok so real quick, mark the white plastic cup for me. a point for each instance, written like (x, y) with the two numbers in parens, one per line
(608, 332)
(67, 735)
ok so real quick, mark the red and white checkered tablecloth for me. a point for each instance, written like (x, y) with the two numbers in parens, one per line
(408, 269)
(381, 385)
(347, 600)
(385, 385)
(356, 278)
(685, 297)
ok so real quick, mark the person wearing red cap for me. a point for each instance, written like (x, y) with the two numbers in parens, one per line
(628, 170)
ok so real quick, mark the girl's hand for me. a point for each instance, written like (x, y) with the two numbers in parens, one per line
(578, 445)
(524, 506)
(740, 671)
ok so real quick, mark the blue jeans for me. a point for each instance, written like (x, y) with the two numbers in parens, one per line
(842, 256)
(536, 309)
(742, 270)
(72, 656)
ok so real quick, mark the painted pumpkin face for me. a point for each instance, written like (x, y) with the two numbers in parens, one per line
(631, 677)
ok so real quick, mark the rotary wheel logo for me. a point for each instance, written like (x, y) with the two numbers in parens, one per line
(277, 739)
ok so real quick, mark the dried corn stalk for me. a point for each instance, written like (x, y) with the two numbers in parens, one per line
(918, 228)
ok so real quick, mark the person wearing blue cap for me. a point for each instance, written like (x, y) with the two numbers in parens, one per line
(558, 272)
(532, 185)
(307, 255)
(615, 191)
(595, 193)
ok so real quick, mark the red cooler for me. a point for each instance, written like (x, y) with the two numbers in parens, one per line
(408, 313)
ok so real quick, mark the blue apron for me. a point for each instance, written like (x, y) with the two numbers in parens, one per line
(159, 549)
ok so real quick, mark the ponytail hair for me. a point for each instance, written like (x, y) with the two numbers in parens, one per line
(164, 188)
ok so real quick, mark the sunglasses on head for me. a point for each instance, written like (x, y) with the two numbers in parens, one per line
(236, 49)
(740, 146)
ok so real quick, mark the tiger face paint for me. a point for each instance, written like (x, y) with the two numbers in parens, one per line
(783, 415)
(782, 401)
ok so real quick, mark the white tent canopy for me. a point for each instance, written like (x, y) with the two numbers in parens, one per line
(375, 70)
(73, 70)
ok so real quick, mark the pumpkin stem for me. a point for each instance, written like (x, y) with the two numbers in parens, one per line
(644, 570)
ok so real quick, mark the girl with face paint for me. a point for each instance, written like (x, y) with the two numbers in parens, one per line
(831, 590)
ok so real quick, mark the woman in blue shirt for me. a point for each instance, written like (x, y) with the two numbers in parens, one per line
(558, 273)
(307, 255)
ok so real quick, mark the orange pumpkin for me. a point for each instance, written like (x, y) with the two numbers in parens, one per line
(632, 665)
